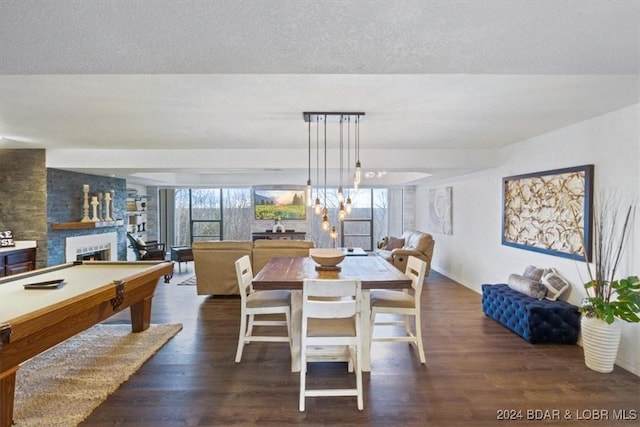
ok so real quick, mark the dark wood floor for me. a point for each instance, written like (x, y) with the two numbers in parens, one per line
(476, 372)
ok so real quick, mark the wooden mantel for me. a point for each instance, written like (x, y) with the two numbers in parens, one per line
(85, 225)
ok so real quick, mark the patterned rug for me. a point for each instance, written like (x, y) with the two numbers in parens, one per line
(63, 385)
(191, 281)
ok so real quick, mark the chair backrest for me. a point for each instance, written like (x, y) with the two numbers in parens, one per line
(244, 274)
(135, 246)
(416, 269)
(330, 299)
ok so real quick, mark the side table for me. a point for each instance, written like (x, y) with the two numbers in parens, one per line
(181, 254)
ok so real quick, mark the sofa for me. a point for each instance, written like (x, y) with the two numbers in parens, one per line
(398, 250)
(214, 261)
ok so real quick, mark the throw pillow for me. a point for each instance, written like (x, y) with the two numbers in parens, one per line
(556, 284)
(534, 273)
(141, 244)
(527, 286)
(394, 243)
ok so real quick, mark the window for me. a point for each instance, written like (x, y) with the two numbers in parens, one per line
(367, 222)
(227, 214)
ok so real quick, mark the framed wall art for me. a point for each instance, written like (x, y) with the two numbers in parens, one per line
(549, 212)
(279, 204)
(439, 206)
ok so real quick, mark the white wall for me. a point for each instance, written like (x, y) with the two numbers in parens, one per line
(474, 255)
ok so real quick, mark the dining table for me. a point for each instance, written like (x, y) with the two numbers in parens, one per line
(372, 271)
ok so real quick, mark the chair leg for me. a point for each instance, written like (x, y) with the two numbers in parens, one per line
(407, 325)
(250, 327)
(358, 369)
(423, 360)
(287, 315)
(303, 377)
(243, 328)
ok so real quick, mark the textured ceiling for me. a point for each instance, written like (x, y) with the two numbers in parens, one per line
(214, 91)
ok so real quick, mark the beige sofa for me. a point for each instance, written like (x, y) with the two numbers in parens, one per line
(215, 260)
(398, 250)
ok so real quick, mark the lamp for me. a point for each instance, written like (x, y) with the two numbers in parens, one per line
(358, 173)
(317, 207)
(309, 188)
(345, 205)
(334, 236)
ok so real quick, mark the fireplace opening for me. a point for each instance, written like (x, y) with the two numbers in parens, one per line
(95, 256)
(98, 247)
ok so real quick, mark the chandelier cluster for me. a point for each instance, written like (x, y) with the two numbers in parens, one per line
(345, 119)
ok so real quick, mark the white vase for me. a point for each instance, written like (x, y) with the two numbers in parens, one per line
(600, 342)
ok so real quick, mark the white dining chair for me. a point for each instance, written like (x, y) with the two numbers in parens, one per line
(330, 318)
(257, 303)
(403, 303)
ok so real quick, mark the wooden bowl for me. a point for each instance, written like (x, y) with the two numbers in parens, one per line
(327, 258)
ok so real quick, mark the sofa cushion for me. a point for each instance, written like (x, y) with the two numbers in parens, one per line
(394, 243)
(527, 286)
(555, 284)
(279, 244)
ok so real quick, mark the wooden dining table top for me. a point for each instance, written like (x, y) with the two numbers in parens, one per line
(289, 273)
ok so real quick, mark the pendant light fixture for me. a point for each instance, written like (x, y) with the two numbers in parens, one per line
(340, 191)
(317, 206)
(358, 173)
(325, 211)
(309, 188)
(344, 203)
(347, 205)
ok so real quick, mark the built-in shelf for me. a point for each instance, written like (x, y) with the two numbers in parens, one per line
(80, 225)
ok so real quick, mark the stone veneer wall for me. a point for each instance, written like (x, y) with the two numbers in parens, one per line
(23, 197)
(65, 204)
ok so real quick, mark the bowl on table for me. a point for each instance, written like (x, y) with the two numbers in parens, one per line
(328, 259)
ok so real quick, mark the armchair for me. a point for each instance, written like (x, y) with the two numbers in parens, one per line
(412, 243)
(145, 251)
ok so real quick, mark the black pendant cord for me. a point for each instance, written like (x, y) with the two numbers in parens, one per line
(325, 162)
(348, 152)
(317, 156)
(309, 163)
(341, 149)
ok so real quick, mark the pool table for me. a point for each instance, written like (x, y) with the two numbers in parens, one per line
(34, 320)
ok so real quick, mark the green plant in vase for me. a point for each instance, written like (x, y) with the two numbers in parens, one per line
(609, 299)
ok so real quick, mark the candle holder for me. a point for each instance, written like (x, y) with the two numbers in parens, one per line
(94, 206)
(100, 217)
(107, 205)
(85, 191)
(113, 198)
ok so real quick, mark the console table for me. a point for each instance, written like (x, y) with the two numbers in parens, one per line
(18, 258)
(287, 235)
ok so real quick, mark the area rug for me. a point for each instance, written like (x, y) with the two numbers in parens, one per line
(63, 385)
(191, 281)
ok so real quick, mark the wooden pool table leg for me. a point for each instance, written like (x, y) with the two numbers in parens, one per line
(7, 389)
(141, 315)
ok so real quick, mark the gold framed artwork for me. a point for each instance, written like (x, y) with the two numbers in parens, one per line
(549, 212)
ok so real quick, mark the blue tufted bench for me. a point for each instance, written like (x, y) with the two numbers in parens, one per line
(537, 321)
